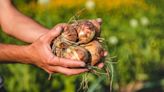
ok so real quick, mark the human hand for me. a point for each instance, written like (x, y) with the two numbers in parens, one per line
(39, 53)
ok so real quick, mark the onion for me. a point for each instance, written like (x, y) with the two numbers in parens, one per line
(70, 33)
(96, 51)
(67, 38)
(86, 31)
(76, 53)
(58, 45)
(97, 24)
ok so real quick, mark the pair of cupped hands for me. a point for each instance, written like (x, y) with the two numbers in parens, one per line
(41, 55)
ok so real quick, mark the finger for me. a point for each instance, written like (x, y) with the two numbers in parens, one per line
(63, 25)
(56, 31)
(105, 53)
(67, 62)
(53, 33)
(100, 65)
(67, 71)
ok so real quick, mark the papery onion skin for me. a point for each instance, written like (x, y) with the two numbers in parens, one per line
(86, 31)
(97, 27)
(96, 50)
(77, 53)
(70, 33)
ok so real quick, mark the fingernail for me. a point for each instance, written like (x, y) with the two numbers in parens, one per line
(58, 28)
(105, 53)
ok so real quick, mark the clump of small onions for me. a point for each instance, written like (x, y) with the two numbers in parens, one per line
(78, 42)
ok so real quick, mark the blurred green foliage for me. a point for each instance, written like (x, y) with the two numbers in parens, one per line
(133, 34)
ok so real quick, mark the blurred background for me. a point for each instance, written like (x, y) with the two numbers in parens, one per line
(134, 35)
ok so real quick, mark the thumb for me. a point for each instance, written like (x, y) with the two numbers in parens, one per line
(54, 33)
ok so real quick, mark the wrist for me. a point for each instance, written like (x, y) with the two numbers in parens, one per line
(26, 55)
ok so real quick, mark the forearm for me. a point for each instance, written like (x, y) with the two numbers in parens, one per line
(18, 25)
(13, 54)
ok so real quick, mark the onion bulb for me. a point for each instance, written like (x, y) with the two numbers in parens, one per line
(70, 34)
(86, 31)
(76, 53)
(96, 51)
